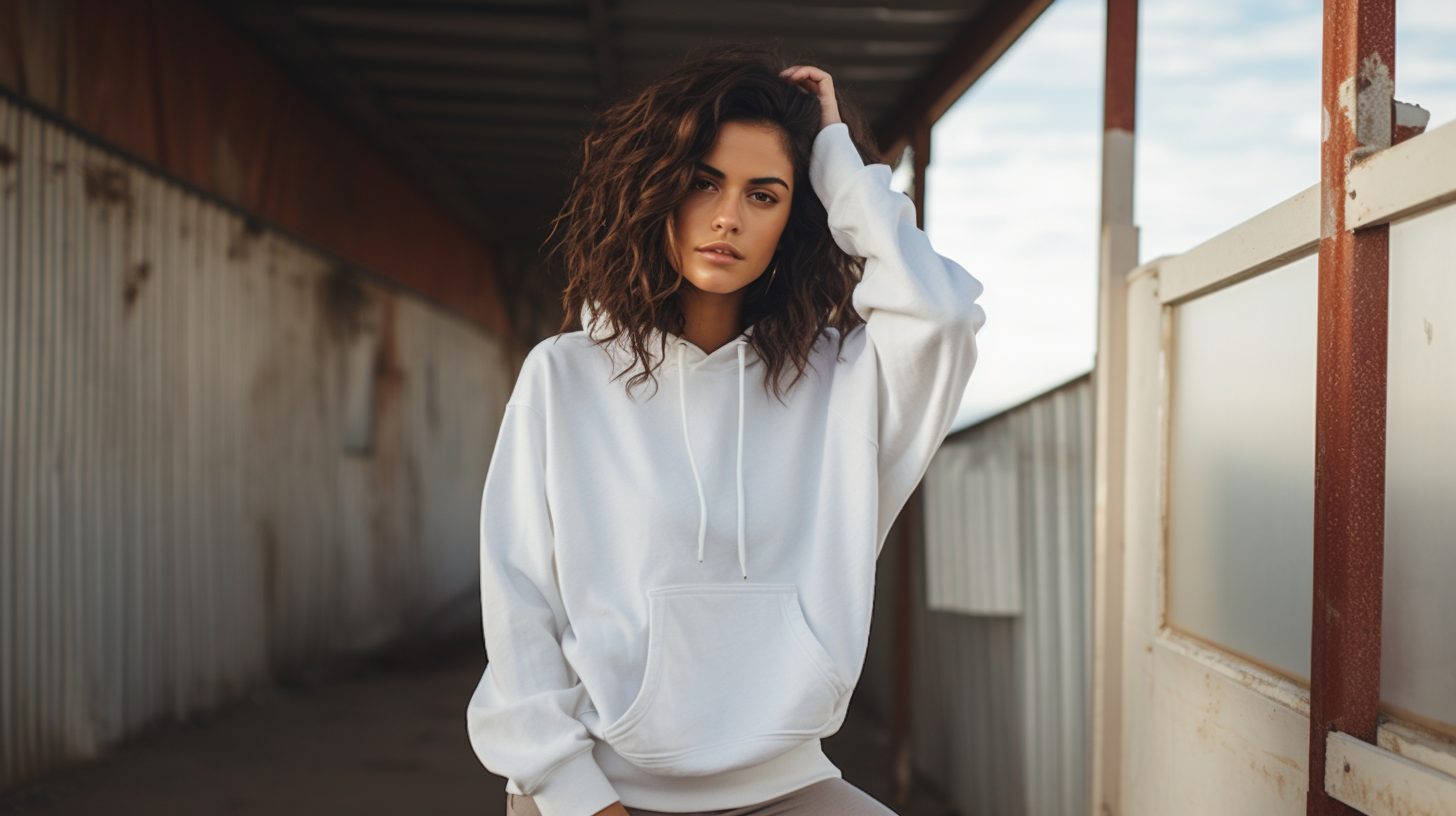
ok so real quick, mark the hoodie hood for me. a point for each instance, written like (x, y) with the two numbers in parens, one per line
(691, 361)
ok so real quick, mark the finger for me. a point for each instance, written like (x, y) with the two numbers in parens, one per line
(806, 82)
(800, 72)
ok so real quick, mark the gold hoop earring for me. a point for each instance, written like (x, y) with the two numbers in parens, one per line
(771, 275)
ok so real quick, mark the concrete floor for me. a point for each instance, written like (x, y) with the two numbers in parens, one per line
(383, 737)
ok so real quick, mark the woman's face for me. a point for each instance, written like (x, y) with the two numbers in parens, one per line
(727, 228)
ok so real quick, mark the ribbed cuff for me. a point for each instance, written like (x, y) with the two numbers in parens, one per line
(833, 162)
(576, 788)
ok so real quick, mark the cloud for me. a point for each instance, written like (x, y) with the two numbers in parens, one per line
(1229, 121)
(1012, 195)
(1425, 57)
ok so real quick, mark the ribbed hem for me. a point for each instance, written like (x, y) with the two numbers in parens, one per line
(576, 788)
(787, 772)
(833, 161)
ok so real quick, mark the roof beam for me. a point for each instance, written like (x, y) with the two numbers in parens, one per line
(278, 33)
(601, 34)
(967, 58)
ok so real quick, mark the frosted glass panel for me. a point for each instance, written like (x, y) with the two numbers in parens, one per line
(1418, 665)
(1241, 472)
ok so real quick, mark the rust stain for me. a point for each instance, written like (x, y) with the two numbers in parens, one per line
(266, 383)
(270, 558)
(1349, 482)
(1120, 98)
(1284, 760)
(394, 488)
(136, 277)
(109, 187)
(8, 156)
(432, 399)
(240, 247)
(343, 302)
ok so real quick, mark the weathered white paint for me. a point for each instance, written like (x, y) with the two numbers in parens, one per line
(1140, 525)
(1278, 688)
(1285, 232)
(1365, 100)
(1418, 746)
(1119, 255)
(1415, 175)
(1202, 734)
(1377, 782)
(1409, 115)
(1119, 157)
(179, 518)
(1205, 731)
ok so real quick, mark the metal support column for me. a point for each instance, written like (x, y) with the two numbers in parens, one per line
(902, 685)
(1349, 495)
(1119, 255)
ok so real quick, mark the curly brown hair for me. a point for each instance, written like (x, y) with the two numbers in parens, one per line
(637, 165)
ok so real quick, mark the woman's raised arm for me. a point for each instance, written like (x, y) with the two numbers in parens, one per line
(919, 307)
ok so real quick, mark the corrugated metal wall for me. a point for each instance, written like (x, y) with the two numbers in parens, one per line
(1001, 702)
(179, 517)
(972, 540)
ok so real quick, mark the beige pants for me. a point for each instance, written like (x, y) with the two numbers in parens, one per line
(831, 797)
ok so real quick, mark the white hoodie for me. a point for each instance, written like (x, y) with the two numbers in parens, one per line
(676, 590)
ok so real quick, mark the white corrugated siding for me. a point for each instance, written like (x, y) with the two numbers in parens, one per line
(972, 535)
(178, 517)
(1001, 702)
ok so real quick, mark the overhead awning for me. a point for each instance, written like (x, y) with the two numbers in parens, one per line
(484, 101)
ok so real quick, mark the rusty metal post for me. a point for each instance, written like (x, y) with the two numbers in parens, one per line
(1119, 255)
(902, 771)
(1349, 494)
(920, 158)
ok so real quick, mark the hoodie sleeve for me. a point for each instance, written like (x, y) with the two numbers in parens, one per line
(522, 717)
(920, 311)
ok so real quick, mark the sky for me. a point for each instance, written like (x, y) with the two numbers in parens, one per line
(1228, 125)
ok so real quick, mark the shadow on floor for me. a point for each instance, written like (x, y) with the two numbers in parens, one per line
(383, 736)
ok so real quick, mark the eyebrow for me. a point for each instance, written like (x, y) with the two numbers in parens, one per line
(718, 174)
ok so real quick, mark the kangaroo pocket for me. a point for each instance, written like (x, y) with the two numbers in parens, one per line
(734, 677)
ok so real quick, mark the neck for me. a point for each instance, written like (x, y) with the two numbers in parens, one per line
(711, 319)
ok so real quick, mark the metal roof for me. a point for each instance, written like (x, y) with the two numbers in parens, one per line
(484, 101)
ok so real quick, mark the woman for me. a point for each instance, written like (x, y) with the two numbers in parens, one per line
(677, 579)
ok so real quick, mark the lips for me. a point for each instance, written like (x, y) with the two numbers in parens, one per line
(721, 251)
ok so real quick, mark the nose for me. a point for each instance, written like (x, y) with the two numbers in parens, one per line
(726, 219)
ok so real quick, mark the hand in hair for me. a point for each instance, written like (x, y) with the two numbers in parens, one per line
(821, 85)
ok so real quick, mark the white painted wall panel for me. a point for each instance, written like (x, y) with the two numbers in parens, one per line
(1418, 652)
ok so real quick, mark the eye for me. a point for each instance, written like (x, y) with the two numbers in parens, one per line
(761, 196)
(702, 184)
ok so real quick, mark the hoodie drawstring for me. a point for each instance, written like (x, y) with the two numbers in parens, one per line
(682, 395)
(742, 546)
